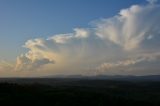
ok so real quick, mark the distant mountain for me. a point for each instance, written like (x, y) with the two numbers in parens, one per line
(111, 77)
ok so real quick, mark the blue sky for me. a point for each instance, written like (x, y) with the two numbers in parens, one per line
(27, 19)
(86, 37)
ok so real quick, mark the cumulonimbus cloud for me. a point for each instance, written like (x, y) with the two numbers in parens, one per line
(124, 35)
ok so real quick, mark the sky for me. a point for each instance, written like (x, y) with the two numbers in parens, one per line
(99, 37)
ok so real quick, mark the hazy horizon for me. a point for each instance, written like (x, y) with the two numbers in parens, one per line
(58, 37)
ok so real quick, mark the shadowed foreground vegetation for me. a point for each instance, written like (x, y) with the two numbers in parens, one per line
(81, 93)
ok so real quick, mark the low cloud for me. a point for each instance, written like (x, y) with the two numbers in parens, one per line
(124, 64)
(25, 63)
(6, 66)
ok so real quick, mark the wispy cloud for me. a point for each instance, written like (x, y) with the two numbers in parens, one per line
(152, 1)
(131, 26)
(124, 64)
(6, 66)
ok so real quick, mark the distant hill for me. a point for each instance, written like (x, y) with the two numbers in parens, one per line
(111, 77)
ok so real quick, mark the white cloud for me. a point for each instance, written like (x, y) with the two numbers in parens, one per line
(64, 38)
(113, 43)
(152, 1)
(124, 64)
(150, 37)
(35, 57)
(81, 32)
(6, 66)
(25, 63)
(61, 38)
(130, 28)
(64, 49)
(133, 64)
